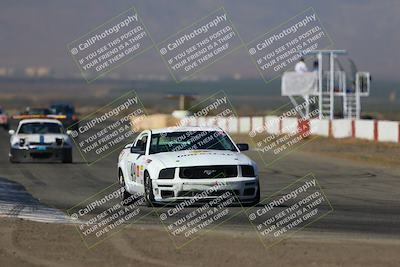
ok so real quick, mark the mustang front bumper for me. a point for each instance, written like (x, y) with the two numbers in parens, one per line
(244, 189)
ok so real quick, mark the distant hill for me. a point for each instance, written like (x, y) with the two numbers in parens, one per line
(248, 96)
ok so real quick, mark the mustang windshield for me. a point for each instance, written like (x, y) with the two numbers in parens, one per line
(40, 128)
(190, 140)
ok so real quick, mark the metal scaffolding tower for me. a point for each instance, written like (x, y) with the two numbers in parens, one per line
(330, 84)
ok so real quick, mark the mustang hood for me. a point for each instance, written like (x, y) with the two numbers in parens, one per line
(201, 158)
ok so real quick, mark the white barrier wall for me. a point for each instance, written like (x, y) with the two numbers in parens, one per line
(184, 122)
(388, 131)
(233, 125)
(256, 123)
(384, 131)
(222, 123)
(189, 122)
(364, 129)
(319, 127)
(272, 124)
(289, 125)
(211, 121)
(341, 128)
(244, 125)
(201, 121)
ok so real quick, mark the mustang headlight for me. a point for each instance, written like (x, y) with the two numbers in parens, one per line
(168, 173)
(247, 171)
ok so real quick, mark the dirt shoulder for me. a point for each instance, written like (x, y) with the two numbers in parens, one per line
(375, 153)
(362, 151)
(25, 243)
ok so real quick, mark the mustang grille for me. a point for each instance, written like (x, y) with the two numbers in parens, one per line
(213, 194)
(40, 144)
(41, 155)
(207, 172)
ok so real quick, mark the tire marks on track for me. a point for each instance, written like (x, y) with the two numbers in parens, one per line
(16, 202)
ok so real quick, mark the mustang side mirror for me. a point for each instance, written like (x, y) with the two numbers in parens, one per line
(138, 148)
(243, 147)
(11, 132)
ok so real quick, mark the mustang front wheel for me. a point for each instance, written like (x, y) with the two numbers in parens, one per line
(148, 190)
(126, 197)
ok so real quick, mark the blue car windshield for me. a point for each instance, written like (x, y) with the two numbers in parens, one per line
(40, 128)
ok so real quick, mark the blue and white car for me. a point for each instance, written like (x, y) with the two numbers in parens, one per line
(173, 164)
(39, 140)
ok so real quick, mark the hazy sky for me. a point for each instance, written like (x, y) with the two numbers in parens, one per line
(35, 33)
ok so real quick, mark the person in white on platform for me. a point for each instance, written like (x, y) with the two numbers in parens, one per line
(301, 67)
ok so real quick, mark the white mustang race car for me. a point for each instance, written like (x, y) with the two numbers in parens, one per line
(176, 164)
(40, 140)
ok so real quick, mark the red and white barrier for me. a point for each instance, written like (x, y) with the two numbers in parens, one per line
(320, 127)
(382, 131)
(202, 121)
(364, 129)
(388, 131)
(257, 123)
(233, 125)
(341, 128)
(211, 121)
(244, 124)
(289, 125)
(222, 123)
(273, 124)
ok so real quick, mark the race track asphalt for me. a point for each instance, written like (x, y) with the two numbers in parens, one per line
(365, 198)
